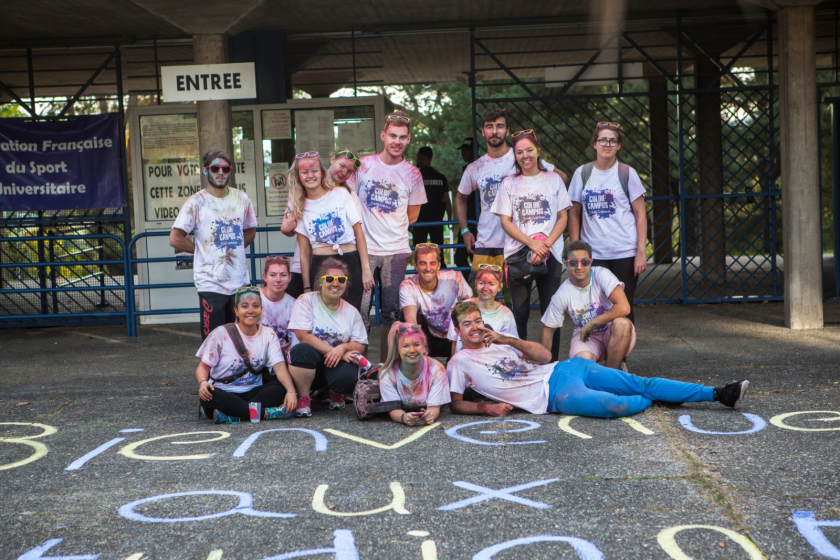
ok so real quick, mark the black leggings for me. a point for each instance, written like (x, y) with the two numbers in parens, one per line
(355, 288)
(438, 347)
(295, 288)
(623, 270)
(340, 379)
(520, 295)
(269, 395)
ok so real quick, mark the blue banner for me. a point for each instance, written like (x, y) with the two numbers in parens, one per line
(66, 165)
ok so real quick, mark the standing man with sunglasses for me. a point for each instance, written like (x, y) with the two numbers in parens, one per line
(391, 191)
(594, 299)
(224, 223)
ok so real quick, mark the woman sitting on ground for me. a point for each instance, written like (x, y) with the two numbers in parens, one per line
(410, 376)
(488, 283)
(225, 384)
(331, 334)
(276, 303)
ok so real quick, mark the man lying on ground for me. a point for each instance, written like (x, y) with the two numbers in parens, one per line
(517, 373)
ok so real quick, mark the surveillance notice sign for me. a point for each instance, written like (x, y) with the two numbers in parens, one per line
(60, 165)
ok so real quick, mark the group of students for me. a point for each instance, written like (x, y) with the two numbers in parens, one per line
(351, 226)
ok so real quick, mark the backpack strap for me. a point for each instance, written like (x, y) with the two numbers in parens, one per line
(624, 179)
(586, 172)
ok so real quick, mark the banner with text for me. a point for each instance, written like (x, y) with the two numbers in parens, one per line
(60, 165)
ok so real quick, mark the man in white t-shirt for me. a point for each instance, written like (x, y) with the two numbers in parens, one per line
(427, 298)
(485, 175)
(594, 299)
(224, 223)
(517, 374)
(391, 191)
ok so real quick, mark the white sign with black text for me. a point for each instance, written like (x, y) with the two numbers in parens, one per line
(208, 82)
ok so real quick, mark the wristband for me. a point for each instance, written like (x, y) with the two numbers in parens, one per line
(463, 231)
(307, 288)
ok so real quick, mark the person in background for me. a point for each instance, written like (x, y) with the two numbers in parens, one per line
(224, 223)
(438, 206)
(225, 386)
(488, 283)
(391, 192)
(608, 210)
(412, 377)
(276, 303)
(594, 299)
(331, 334)
(461, 254)
(517, 373)
(427, 298)
(532, 206)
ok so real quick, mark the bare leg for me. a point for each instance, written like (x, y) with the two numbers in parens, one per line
(303, 379)
(621, 331)
(585, 355)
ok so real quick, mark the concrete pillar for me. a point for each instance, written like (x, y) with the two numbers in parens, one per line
(215, 128)
(712, 223)
(800, 183)
(660, 171)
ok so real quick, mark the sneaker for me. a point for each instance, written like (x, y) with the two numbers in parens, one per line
(623, 367)
(731, 395)
(336, 401)
(221, 418)
(277, 413)
(303, 408)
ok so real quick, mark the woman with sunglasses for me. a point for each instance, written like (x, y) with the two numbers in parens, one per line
(532, 205)
(226, 386)
(328, 225)
(412, 377)
(332, 335)
(488, 283)
(276, 303)
(608, 210)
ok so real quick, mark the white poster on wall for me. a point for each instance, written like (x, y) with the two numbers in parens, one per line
(277, 125)
(169, 136)
(277, 189)
(315, 132)
(167, 186)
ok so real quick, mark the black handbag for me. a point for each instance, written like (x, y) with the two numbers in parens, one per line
(520, 270)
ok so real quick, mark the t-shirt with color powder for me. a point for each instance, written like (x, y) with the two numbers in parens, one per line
(609, 224)
(220, 354)
(276, 315)
(220, 265)
(431, 388)
(498, 372)
(333, 327)
(328, 221)
(582, 304)
(500, 320)
(435, 306)
(386, 192)
(486, 175)
(533, 204)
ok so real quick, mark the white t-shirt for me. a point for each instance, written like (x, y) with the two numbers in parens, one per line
(276, 315)
(333, 327)
(431, 388)
(219, 224)
(533, 204)
(501, 320)
(499, 373)
(329, 220)
(582, 304)
(435, 306)
(385, 192)
(486, 175)
(609, 224)
(220, 354)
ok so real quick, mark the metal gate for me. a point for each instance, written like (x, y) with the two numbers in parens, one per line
(698, 108)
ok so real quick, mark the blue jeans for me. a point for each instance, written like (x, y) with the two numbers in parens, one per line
(581, 387)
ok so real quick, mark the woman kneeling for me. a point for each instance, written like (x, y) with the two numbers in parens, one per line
(226, 385)
(410, 376)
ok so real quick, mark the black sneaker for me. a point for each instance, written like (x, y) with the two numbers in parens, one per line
(731, 395)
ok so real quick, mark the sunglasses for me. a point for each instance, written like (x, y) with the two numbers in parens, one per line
(405, 327)
(333, 279)
(422, 245)
(215, 168)
(495, 267)
(303, 155)
(281, 258)
(522, 132)
(352, 157)
(612, 125)
(397, 118)
(572, 263)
